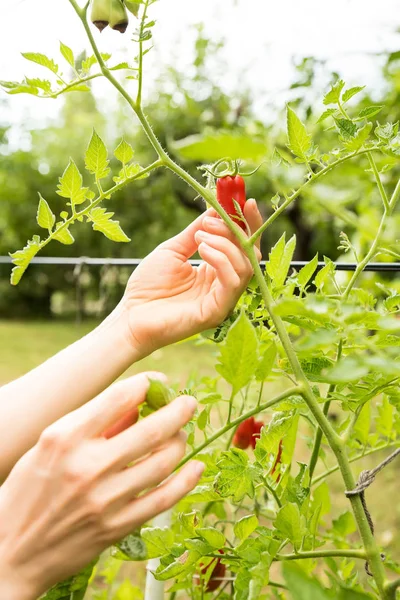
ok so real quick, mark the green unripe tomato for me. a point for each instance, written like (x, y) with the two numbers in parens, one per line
(158, 395)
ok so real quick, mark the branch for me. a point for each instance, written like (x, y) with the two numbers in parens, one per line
(353, 459)
(378, 180)
(254, 411)
(295, 194)
(323, 554)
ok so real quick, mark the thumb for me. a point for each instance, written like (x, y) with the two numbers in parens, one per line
(184, 243)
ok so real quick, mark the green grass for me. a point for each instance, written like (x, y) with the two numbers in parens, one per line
(24, 345)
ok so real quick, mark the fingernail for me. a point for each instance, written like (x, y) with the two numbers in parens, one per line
(191, 403)
(202, 235)
(211, 222)
(198, 467)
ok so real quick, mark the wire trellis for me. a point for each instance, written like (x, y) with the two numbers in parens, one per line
(134, 262)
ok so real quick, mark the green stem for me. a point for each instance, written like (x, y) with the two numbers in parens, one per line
(323, 554)
(273, 492)
(140, 80)
(72, 84)
(231, 405)
(372, 251)
(254, 411)
(318, 441)
(334, 441)
(370, 254)
(85, 211)
(378, 180)
(297, 193)
(391, 588)
(319, 434)
(355, 458)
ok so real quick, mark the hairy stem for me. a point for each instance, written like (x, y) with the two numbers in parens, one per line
(104, 194)
(297, 192)
(334, 441)
(323, 554)
(254, 411)
(355, 458)
(319, 434)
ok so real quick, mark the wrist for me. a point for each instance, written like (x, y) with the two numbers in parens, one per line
(13, 584)
(118, 325)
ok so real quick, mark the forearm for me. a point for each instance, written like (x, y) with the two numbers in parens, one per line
(62, 384)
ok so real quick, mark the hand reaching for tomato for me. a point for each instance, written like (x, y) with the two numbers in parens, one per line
(167, 299)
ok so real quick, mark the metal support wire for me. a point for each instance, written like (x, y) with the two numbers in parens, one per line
(134, 262)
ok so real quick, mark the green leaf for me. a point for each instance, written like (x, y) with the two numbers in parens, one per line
(333, 96)
(67, 54)
(88, 63)
(158, 541)
(278, 436)
(385, 419)
(133, 6)
(267, 361)
(44, 216)
(180, 565)
(42, 60)
(359, 139)
(43, 84)
(327, 113)
(96, 161)
(210, 146)
(245, 527)
(13, 87)
(301, 585)
(63, 235)
(279, 260)
(321, 499)
(345, 370)
(102, 222)
(236, 476)
(77, 87)
(70, 184)
(130, 548)
(307, 272)
(291, 524)
(346, 127)
(344, 525)
(238, 358)
(348, 94)
(22, 258)
(324, 274)
(299, 140)
(212, 536)
(124, 152)
(71, 586)
(369, 111)
(362, 427)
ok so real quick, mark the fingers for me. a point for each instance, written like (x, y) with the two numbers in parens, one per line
(150, 433)
(212, 223)
(184, 243)
(125, 485)
(126, 421)
(225, 272)
(159, 500)
(253, 217)
(105, 410)
(234, 255)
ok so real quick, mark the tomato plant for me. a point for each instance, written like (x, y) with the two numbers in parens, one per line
(299, 344)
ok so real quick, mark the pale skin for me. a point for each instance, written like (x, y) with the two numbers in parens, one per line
(68, 437)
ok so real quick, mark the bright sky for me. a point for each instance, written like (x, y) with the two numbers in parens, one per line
(261, 41)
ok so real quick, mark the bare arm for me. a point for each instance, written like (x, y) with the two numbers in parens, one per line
(61, 384)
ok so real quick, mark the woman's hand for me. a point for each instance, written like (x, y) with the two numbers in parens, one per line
(167, 299)
(73, 494)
